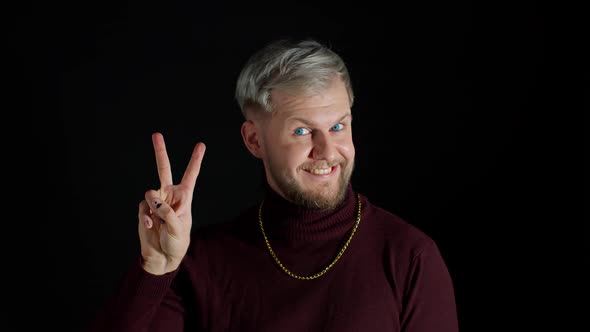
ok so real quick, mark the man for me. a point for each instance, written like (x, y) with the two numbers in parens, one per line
(314, 255)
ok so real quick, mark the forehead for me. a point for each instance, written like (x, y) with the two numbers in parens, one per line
(332, 100)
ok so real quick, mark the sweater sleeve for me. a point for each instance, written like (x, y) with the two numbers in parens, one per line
(144, 303)
(429, 300)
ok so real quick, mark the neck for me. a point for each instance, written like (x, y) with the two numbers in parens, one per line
(289, 221)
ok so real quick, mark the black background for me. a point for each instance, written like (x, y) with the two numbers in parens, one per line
(455, 127)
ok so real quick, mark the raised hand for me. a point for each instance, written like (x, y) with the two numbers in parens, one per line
(165, 218)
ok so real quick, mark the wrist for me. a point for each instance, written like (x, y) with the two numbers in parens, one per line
(157, 267)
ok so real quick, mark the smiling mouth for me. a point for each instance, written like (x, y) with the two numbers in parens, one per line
(321, 171)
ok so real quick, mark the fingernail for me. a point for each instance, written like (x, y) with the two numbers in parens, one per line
(146, 223)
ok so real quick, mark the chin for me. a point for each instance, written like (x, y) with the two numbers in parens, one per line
(313, 193)
(320, 198)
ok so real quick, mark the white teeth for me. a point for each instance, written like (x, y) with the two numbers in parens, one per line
(320, 171)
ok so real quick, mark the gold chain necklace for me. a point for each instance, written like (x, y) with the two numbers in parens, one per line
(319, 274)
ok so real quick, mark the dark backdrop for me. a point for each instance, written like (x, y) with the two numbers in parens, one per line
(452, 103)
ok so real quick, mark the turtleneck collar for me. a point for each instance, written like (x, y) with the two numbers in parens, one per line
(287, 221)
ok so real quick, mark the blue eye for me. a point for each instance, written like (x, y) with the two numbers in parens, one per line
(338, 127)
(301, 131)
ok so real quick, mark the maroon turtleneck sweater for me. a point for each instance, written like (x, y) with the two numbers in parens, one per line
(391, 278)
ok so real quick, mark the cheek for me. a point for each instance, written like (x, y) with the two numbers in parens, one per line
(291, 155)
(351, 152)
(346, 149)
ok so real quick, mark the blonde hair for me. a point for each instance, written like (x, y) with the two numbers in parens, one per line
(301, 67)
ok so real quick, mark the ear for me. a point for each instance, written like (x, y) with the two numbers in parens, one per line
(251, 137)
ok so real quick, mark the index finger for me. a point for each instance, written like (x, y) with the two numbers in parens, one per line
(164, 170)
(194, 167)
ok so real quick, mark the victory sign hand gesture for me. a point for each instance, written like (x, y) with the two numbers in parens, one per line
(165, 218)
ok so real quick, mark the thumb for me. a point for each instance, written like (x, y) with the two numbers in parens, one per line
(164, 212)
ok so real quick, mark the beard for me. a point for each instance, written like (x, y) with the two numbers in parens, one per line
(322, 198)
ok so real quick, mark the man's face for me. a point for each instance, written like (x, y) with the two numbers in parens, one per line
(307, 147)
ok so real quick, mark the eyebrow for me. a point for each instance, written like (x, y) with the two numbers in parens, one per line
(312, 124)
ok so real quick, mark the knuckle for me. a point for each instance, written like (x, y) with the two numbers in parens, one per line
(143, 208)
(150, 193)
(168, 214)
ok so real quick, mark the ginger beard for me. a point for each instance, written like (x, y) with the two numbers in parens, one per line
(323, 195)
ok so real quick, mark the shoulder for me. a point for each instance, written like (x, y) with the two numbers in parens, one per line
(396, 233)
(402, 246)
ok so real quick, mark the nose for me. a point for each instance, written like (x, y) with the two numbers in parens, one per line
(324, 147)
